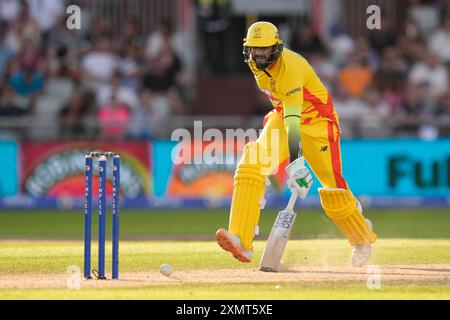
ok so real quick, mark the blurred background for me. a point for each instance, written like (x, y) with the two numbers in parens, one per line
(138, 69)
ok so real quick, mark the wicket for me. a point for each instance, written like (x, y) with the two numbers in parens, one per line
(102, 157)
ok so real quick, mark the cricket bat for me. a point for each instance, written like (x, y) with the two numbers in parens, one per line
(278, 237)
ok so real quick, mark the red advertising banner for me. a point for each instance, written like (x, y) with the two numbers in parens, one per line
(57, 169)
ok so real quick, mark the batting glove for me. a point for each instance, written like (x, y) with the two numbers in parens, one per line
(300, 179)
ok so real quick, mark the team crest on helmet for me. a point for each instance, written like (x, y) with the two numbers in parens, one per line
(257, 33)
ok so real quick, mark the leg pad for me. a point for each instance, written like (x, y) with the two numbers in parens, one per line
(341, 206)
(245, 204)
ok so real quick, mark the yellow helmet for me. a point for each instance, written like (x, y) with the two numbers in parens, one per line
(262, 34)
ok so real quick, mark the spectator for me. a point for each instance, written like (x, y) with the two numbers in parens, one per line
(11, 45)
(416, 109)
(411, 42)
(356, 78)
(47, 13)
(114, 119)
(412, 31)
(439, 43)
(341, 45)
(129, 66)
(427, 16)
(56, 93)
(8, 107)
(31, 57)
(122, 94)
(75, 113)
(146, 117)
(98, 30)
(52, 59)
(385, 37)
(13, 40)
(350, 107)
(72, 62)
(306, 42)
(444, 9)
(130, 35)
(442, 114)
(164, 71)
(156, 40)
(163, 79)
(132, 53)
(374, 121)
(27, 84)
(370, 57)
(443, 106)
(214, 23)
(392, 72)
(324, 68)
(9, 10)
(30, 29)
(99, 64)
(64, 39)
(431, 73)
(393, 62)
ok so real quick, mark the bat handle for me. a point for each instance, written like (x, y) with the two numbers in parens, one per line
(292, 201)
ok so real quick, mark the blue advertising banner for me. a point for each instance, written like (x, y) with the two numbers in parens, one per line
(397, 167)
(9, 179)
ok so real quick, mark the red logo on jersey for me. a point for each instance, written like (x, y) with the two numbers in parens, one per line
(272, 98)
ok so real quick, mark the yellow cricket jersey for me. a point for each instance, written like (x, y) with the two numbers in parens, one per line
(291, 81)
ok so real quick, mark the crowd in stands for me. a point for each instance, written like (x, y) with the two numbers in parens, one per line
(389, 83)
(60, 78)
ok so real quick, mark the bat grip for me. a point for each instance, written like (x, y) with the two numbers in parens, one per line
(292, 200)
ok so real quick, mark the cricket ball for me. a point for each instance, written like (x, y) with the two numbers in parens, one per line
(166, 269)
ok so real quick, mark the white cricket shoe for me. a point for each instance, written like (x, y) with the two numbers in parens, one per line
(361, 252)
(231, 242)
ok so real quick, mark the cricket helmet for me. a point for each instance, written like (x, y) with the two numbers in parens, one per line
(263, 34)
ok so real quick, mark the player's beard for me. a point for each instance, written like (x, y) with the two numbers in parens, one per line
(261, 62)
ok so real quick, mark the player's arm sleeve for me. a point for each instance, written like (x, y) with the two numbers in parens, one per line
(293, 102)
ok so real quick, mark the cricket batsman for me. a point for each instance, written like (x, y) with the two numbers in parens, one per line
(307, 128)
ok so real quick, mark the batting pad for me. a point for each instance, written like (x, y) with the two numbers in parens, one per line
(341, 206)
(245, 204)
